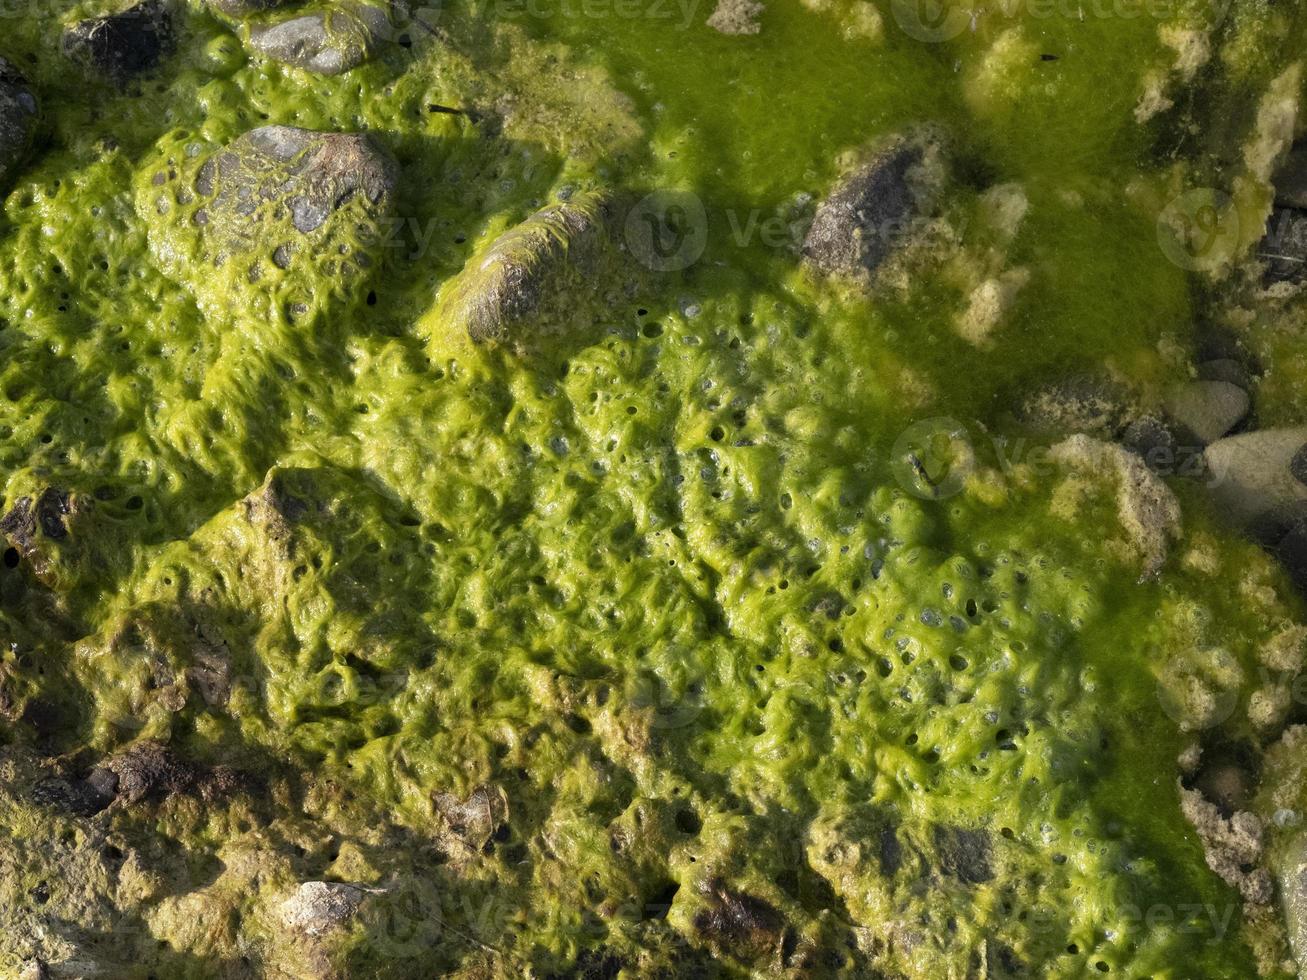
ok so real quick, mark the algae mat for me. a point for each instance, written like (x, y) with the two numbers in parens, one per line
(647, 488)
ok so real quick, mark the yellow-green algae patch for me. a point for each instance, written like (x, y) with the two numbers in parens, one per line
(644, 651)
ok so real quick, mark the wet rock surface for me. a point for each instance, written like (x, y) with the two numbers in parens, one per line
(1251, 475)
(243, 8)
(122, 45)
(1084, 404)
(148, 771)
(317, 907)
(1226, 369)
(964, 854)
(738, 918)
(869, 213)
(1206, 410)
(528, 282)
(326, 42)
(309, 174)
(280, 197)
(18, 119)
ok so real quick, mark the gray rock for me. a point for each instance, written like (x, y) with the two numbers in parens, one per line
(79, 797)
(871, 210)
(1292, 874)
(1226, 369)
(325, 42)
(122, 45)
(1207, 410)
(1152, 439)
(243, 8)
(534, 279)
(1250, 474)
(320, 906)
(1291, 179)
(964, 854)
(1084, 404)
(1298, 465)
(277, 184)
(1283, 249)
(18, 119)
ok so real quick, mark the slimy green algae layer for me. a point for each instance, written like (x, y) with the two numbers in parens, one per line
(639, 648)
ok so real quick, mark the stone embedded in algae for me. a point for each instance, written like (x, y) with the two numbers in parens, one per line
(871, 211)
(326, 42)
(1147, 509)
(272, 209)
(18, 118)
(1207, 410)
(243, 8)
(319, 906)
(539, 279)
(124, 44)
(60, 535)
(1251, 475)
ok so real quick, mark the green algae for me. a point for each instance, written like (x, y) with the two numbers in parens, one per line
(659, 590)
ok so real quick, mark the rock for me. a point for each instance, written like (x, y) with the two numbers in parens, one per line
(1283, 249)
(243, 8)
(325, 42)
(1085, 404)
(1298, 465)
(1292, 874)
(122, 45)
(79, 797)
(475, 819)
(1207, 410)
(18, 119)
(26, 523)
(964, 854)
(1250, 473)
(736, 17)
(275, 191)
(1146, 507)
(736, 919)
(320, 906)
(1233, 846)
(36, 529)
(1151, 439)
(1226, 369)
(1291, 179)
(1228, 778)
(534, 279)
(870, 211)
